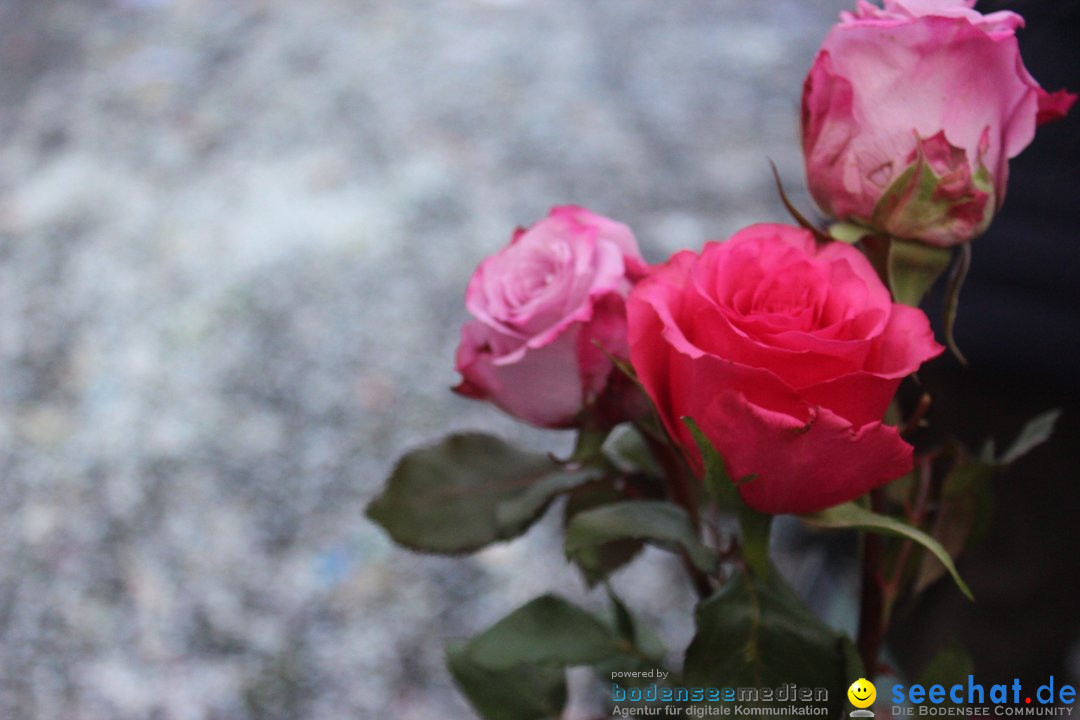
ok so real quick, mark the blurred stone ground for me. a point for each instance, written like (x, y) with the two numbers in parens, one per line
(234, 238)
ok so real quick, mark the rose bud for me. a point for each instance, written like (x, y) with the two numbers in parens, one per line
(910, 115)
(786, 355)
(549, 309)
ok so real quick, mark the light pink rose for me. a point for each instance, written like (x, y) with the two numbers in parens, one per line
(786, 355)
(542, 305)
(911, 112)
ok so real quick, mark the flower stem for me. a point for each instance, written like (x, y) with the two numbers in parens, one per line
(682, 492)
(872, 600)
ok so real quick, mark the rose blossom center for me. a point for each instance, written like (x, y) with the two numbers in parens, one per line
(538, 284)
(791, 298)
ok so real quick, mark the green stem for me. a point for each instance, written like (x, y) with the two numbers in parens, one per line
(872, 600)
(916, 515)
(682, 492)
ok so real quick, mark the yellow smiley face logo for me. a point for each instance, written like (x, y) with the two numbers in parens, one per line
(862, 693)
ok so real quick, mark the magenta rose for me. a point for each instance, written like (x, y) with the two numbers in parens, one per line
(910, 115)
(786, 355)
(549, 308)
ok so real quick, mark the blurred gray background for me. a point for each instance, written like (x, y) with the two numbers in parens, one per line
(234, 241)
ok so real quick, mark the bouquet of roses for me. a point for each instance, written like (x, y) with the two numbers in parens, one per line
(751, 378)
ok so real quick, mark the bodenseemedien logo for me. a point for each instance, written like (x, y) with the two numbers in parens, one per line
(862, 694)
(658, 698)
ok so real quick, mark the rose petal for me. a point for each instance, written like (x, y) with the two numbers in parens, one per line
(1053, 106)
(602, 338)
(799, 466)
(541, 387)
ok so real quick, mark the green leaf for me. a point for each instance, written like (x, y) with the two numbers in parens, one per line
(851, 515)
(853, 665)
(524, 692)
(755, 540)
(950, 666)
(755, 632)
(1033, 434)
(598, 562)
(913, 269)
(962, 518)
(648, 648)
(625, 448)
(848, 232)
(966, 503)
(592, 434)
(546, 631)
(964, 513)
(634, 631)
(514, 670)
(966, 477)
(754, 525)
(517, 512)
(717, 481)
(650, 520)
(466, 492)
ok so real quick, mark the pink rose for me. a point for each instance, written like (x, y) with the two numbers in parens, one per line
(786, 355)
(910, 115)
(541, 305)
